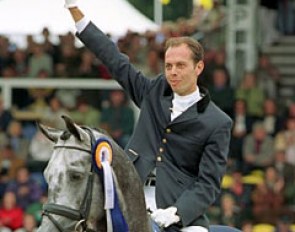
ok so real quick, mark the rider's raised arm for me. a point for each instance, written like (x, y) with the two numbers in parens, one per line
(132, 80)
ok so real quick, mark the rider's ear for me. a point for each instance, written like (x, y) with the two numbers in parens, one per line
(50, 133)
(75, 130)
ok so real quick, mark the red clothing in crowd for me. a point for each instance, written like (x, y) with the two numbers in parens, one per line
(12, 218)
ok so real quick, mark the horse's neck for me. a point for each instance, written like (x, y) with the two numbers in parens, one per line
(131, 194)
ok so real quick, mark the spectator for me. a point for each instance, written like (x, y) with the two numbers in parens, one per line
(85, 114)
(40, 60)
(267, 76)
(87, 67)
(258, 151)
(29, 224)
(242, 126)
(53, 112)
(41, 149)
(118, 118)
(285, 140)
(252, 94)
(271, 119)
(221, 93)
(268, 200)
(9, 164)
(26, 189)
(5, 116)
(11, 216)
(17, 140)
(230, 212)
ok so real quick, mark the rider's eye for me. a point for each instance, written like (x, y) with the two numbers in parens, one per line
(74, 176)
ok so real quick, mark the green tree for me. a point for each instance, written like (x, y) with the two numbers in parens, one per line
(172, 11)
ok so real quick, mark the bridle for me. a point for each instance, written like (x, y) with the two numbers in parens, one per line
(80, 215)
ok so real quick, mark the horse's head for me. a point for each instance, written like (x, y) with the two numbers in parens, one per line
(75, 191)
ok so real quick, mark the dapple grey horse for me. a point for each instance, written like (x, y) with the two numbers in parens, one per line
(76, 193)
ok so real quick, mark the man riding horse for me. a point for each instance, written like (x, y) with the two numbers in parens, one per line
(180, 134)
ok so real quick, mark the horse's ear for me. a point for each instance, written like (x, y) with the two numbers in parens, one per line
(50, 133)
(75, 130)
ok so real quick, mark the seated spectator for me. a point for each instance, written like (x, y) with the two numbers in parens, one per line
(285, 140)
(272, 120)
(5, 116)
(284, 223)
(221, 93)
(247, 226)
(267, 76)
(267, 197)
(242, 126)
(25, 188)
(11, 215)
(250, 92)
(39, 61)
(17, 140)
(118, 118)
(85, 114)
(230, 212)
(53, 112)
(29, 224)
(36, 208)
(41, 149)
(9, 164)
(258, 151)
(87, 67)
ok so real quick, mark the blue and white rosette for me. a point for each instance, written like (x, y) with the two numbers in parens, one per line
(102, 155)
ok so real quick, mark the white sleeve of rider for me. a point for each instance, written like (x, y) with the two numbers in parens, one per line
(82, 24)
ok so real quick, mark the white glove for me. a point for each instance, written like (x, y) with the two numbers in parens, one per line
(71, 3)
(165, 217)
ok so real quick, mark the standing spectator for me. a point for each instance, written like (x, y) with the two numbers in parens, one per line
(26, 189)
(258, 150)
(11, 215)
(118, 118)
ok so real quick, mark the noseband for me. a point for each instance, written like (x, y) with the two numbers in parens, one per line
(79, 215)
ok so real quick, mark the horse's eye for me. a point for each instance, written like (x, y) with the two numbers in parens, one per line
(74, 176)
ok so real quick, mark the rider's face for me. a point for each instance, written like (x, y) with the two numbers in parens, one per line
(181, 70)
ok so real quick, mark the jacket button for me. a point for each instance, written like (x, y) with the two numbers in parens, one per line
(161, 149)
(164, 140)
(159, 158)
(168, 130)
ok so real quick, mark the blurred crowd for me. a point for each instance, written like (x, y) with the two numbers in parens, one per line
(259, 186)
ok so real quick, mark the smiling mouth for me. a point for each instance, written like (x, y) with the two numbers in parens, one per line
(174, 82)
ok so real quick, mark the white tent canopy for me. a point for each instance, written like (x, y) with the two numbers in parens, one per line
(23, 17)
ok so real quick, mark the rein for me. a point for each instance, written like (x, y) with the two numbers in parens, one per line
(80, 215)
